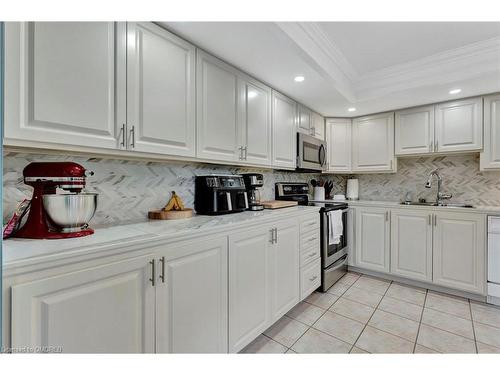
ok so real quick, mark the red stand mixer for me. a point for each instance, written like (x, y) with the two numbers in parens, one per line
(52, 215)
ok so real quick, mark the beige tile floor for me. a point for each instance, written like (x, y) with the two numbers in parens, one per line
(363, 314)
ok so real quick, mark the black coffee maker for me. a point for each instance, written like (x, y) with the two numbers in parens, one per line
(220, 194)
(253, 183)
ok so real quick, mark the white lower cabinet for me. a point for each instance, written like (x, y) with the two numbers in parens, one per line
(108, 308)
(459, 254)
(191, 297)
(372, 238)
(411, 244)
(285, 265)
(249, 286)
(263, 279)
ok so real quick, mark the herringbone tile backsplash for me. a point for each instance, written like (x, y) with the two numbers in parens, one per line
(129, 189)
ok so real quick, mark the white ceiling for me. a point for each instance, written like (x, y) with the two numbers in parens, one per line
(373, 66)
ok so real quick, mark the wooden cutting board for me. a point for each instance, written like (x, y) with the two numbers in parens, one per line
(278, 204)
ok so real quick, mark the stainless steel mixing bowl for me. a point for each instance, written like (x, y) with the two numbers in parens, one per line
(71, 212)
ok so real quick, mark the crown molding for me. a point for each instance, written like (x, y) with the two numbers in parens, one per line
(322, 54)
(470, 61)
(463, 63)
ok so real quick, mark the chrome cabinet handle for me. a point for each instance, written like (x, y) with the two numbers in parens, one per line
(386, 215)
(153, 272)
(246, 152)
(311, 255)
(162, 275)
(430, 219)
(272, 235)
(311, 239)
(313, 278)
(241, 153)
(435, 220)
(436, 146)
(132, 136)
(276, 235)
(123, 135)
(431, 146)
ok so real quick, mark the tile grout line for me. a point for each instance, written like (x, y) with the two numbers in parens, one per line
(420, 323)
(311, 326)
(473, 329)
(366, 324)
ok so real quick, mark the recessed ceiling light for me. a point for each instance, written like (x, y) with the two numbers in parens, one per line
(352, 109)
(455, 91)
(299, 79)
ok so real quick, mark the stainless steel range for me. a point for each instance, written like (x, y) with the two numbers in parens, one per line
(333, 253)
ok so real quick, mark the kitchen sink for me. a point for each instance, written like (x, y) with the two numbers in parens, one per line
(434, 204)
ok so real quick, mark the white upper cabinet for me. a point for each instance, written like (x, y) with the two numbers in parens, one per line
(373, 143)
(60, 80)
(191, 297)
(217, 109)
(372, 238)
(109, 308)
(304, 123)
(490, 157)
(160, 91)
(255, 122)
(318, 125)
(414, 131)
(460, 251)
(459, 125)
(284, 127)
(411, 244)
(338, 140)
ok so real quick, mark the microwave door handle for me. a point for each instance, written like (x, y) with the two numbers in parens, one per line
(322, 155)
(229, 204)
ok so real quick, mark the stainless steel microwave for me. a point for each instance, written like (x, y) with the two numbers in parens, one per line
(311, 153)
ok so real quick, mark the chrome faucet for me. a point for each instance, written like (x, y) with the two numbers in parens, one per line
(440, 196)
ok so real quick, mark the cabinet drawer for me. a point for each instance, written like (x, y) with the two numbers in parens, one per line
(306, 255)
(309, 224)
(310, 239)
(310, 278)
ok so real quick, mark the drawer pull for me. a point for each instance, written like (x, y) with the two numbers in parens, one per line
(313, 278)
(312, 254)
(311, 239)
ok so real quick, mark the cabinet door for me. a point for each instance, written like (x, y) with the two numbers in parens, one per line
(338, 139)
(191, 315)
(373, 143)
(249, 286)
(284, 132)
(414, 131)
(490, 157)
(372, 238)
(460, 251)
(255, 121)
(304, 123)
(216, 108)
(411, 244)
(60, 80)
(318, 125)
(285, 259)
(459, 125)
(160, 91)
(104, 309)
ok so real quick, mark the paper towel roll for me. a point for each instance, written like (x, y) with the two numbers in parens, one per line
(352, 189)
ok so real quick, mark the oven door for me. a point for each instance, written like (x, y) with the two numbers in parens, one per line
(332, 253)
(311, 153)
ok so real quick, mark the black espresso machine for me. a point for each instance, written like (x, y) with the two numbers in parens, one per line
(220, 194)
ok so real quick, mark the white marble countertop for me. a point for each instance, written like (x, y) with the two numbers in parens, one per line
(19, 252)
(489, 210)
